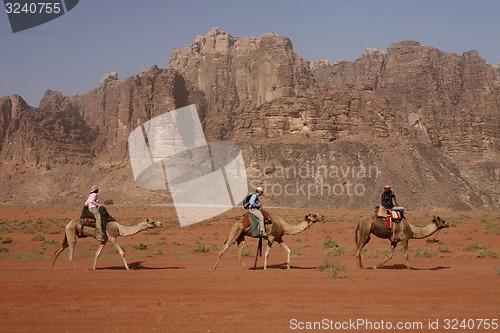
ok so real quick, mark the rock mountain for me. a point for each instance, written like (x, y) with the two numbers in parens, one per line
(315, 134)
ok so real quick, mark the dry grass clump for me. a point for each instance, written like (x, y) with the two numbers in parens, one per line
(335, 270)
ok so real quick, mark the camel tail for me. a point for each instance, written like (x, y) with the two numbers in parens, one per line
(64, 245)
(356, 236)
(65, 241)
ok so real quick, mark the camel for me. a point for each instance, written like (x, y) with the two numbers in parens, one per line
(403, 233)
(113, 230)
(276, 230)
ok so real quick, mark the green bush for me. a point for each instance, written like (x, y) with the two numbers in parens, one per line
(157, 252)
(334, 252)
(141, 246)
(443, 249)
(484, 253)
(6, 240)
(335, 270)
(424, 252)
(330, 244)
(475, 246)
(202, 248)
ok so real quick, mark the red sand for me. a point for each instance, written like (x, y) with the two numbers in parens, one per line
(173, 289)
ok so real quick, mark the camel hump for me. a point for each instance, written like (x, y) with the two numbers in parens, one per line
(246, 220)
(267, 217)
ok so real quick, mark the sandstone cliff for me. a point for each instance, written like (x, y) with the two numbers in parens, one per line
(422, 119)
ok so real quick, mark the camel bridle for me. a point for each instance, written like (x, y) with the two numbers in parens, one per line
(440, 226)
(310, 221)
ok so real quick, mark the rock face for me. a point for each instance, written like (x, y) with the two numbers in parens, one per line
(422, 119)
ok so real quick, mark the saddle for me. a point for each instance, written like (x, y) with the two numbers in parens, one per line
(396, 214)
(87, 219)
(246, 218)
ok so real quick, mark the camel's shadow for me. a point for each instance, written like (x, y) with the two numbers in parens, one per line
(403, 267)
(138, 265)
(282, 267)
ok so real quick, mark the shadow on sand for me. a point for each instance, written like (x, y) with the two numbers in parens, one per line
(402, 266)
(137, 266)
(282, 266)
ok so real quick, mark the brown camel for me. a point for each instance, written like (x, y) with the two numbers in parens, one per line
(113, 230)
(403, 233)
(276, 230)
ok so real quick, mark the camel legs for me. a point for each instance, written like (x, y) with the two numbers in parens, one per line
(268, 249)
(120, 251)
(118, 248)
(97, 254)
(266, 254)
(287, 250)
(67, 242)
(241, 244)
(389, 256)
(241, 241)
(360, 245)
(407, 256)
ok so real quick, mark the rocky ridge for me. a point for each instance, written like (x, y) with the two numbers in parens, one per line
(422, 119)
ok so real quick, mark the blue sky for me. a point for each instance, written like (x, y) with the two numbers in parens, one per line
(73, 52)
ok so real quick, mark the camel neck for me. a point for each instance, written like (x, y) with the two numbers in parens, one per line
(129, 231)
(292, 229)
(423, 232)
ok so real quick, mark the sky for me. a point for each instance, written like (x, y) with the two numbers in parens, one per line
(71, 53)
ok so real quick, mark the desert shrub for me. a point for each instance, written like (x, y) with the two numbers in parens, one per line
(475, 247)
(334, 251)
(424, 252)
(333, 248)
(38, 238)
(335, 270)
(141, 246)
(485, 253)
(375, 253)
(4, 250)
(202, 248)
(109, 202)
(443, 249)
(6, 240)
(39, 252)
(50, 241)
(157, 252)
(329, 243)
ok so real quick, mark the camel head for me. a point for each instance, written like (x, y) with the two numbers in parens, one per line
(311, 218)
(440, 222)
(153, 224)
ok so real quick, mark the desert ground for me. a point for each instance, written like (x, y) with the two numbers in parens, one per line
(453, 286)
